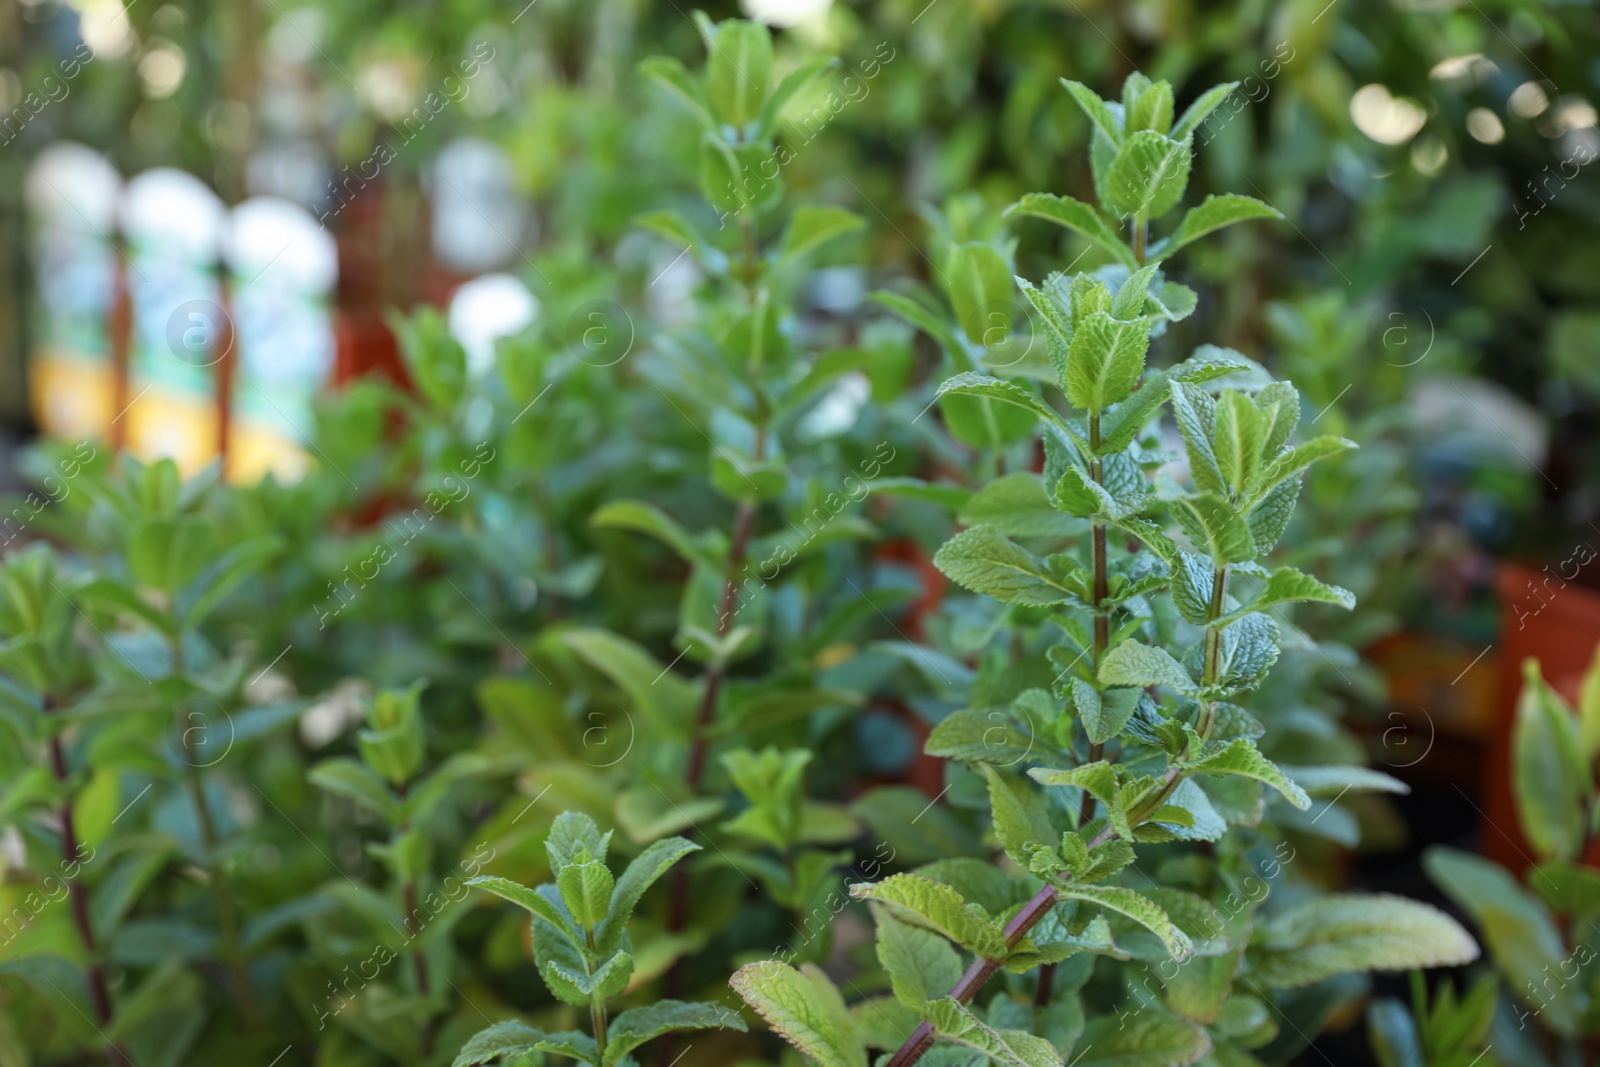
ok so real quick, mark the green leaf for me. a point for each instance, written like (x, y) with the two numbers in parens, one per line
(1076, 216)
(1589, 709)
(978, 282)
(167, 552)
(1521, 936)
(939, 908)
(1083, 497)
(641, 874)
(1213, 213)
(1136, 664)
(1216, 528)
(1241, 757)
(1550, 778)
(1335, 780)
(924, 320)
(1141, 909)
(973, 383)
(1099, 780)
(1094, 107)
(1148, 175)
(671, 74)
(922, 966)
(1012, 1048)
(1157, 1039)
(1104, 714)
(988, 735)
(1195, 413)
(804, 1009)
(223, 576)
(1240, 435)
(524, 897)
(355, 781)
(112, 594)
(810, 227)
(511, 1039)
(1021, 821)
(793, 82)
(1299, 458)
(1152, 110)
(983, 560)
(1287, 585)
(1271, 516)
(573, 832)
(670, 702)
(648, 519)
(738, 70)
(1018, 506)
(586, 891)
(1324, 936)
(1121, 423)
(1105, 359)
(1196, 113)
(637, 1025)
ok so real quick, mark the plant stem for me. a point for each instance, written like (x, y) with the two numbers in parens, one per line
(1039, 906)
(597, 1008)
(217, 875)
(1141, 232)
(99, 996)
(1102, 616)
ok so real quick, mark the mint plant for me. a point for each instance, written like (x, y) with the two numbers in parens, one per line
(581, 944)
(1136, 755)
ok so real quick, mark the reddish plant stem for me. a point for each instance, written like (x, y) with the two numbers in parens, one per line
(99, 995)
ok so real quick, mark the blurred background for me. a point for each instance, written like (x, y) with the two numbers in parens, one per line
(210, 214)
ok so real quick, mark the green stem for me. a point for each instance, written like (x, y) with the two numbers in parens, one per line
(216, 874)
(1141, 232)
(597, 1008)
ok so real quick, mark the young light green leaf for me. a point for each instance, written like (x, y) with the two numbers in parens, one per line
(936, 907)
(1240, 435)
(641, 874)
(572, 832)
(1215, 527)
(1286, 585)
(1241, 757)
(739, 69)
(799, 1007)
(972, 383)
(1018, 506)
(586, 891)
(1299, 458)
(1094, 107)
(1079, 495)
(1130, 298)
(523, 897)
(1148, 175)
(1203, 105)
(984, 560)
(1077, 216)
(1105, 359)
(978, 282)
(1325, 936)
(1550, 778)
(1136, 664)
(1212, 214)
(513, 1038)
(637, 1025)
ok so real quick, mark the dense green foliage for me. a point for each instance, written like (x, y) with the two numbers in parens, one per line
(959, 669)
